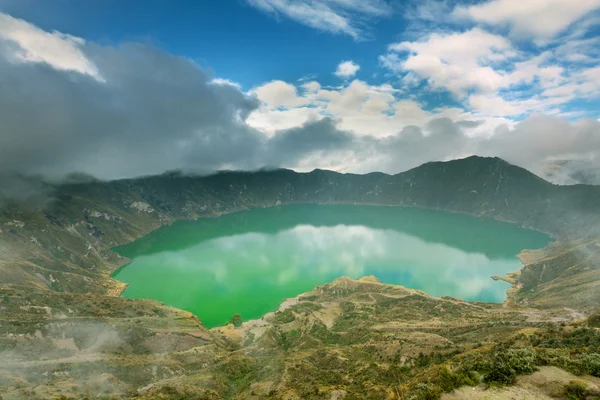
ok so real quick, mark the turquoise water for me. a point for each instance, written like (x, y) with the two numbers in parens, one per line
(250, 261)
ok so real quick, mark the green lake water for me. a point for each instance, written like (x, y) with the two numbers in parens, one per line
(249, 262)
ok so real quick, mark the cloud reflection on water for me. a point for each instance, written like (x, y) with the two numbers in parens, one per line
(317, 255)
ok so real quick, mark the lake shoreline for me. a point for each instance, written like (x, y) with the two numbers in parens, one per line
(476, 218)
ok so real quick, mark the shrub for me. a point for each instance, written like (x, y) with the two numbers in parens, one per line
(427, 391)
(236, 320)
(576, 389)
(449, 380)
(284, 317)
(594, 320)
(507, 364)
(591, 363)
(560, 358)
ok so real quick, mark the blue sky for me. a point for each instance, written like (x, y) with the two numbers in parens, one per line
(231, 37)
(241, 40)
(357, 84)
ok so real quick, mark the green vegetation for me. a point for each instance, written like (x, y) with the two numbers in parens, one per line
(236, 320)
(507, 364)
(594, 320)
(283, 317)
(576, 390)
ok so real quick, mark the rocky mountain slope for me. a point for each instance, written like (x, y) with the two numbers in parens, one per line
(55, 266)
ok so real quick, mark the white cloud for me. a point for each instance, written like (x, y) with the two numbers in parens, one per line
(227, 82)
(581, 51)
(590, 82)
(334, 16)
(357, 107)
(528, 70)
(532, 143)
(582, 83)
(492, 77)
(59, 50)
(540, 19)
(312, 86)
(360, 108)
(347, 69)
(493, 105)
(278, 94)
(457, 62)
(270, 121)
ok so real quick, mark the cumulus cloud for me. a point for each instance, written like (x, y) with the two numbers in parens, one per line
(223, 81)
(312, 86)
(27, 43)
(539, 139)
(458, 62)
(278, 94)
(270, 120)
(493, 76)
(357, 107)
(153, 111)
(347, 69)
(334, 16)
(540, 19)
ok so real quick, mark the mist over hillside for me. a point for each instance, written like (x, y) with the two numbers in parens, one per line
(571, 172)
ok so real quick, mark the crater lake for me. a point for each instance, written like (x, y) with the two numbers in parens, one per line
(250, 261)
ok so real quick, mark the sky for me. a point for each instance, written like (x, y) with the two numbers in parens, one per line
(120, 89)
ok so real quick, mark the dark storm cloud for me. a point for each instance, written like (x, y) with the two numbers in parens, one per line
(153, 112)
(539, 141)
(469, 124)
(412, 146)
(290, 145)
